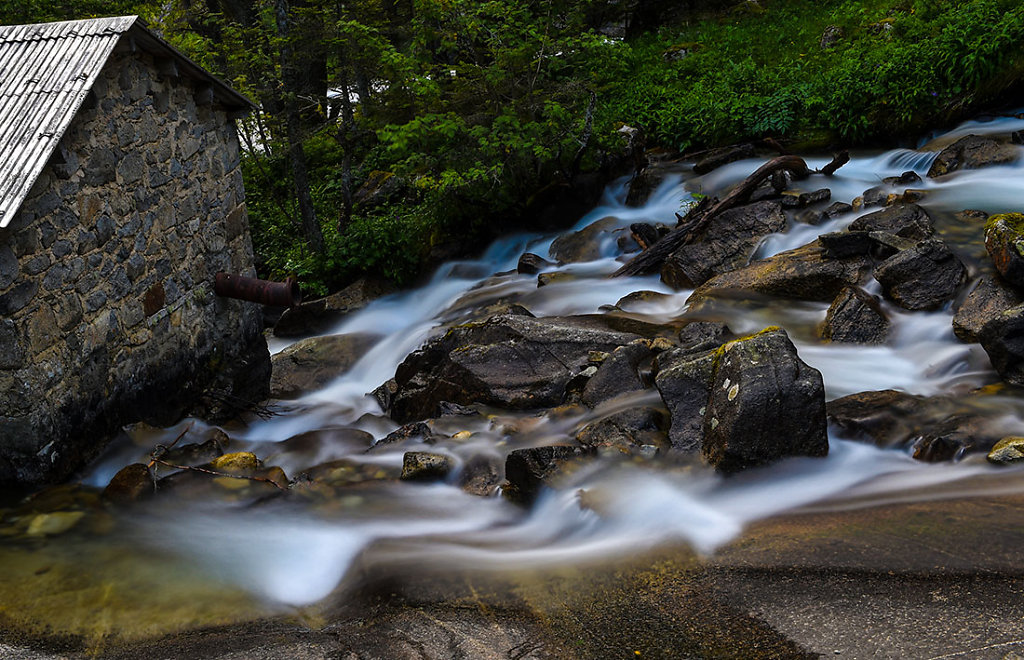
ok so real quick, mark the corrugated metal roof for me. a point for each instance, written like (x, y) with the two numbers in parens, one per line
(46, 72)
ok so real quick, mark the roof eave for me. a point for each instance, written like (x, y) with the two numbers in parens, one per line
(150, 42)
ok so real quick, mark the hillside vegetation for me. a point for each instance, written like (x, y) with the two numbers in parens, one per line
(446, 119)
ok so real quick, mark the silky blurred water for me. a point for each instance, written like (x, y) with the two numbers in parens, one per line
(290, 555)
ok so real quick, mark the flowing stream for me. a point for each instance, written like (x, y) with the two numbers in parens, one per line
(288, 554)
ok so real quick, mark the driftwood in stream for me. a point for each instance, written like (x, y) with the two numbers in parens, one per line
(651, 260)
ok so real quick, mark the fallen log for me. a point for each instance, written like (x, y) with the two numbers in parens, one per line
(651, 259)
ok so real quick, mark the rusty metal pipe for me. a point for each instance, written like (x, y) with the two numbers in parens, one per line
(278, 294)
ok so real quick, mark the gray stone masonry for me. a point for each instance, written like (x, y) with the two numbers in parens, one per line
(107, 311)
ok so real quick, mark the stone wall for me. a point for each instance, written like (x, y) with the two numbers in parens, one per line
(107, 311)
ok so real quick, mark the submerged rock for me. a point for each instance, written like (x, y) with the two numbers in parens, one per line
(855, 317)
(528, 470)
(1004, 240)
(131, 483)
(480, 475)
(319, 316)
(312, 363)
(585, 244)
(728, 242)
(513, 362)
(971, 152)
(933, 428)
(805, 273)
(924, 277)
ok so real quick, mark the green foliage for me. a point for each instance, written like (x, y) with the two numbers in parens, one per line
(474, 106)
(899, 66)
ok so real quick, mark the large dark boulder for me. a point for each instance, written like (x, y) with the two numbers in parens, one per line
(990, 298)
(905, 220)
(509, 361)
(319, 316)
(924, 277)
(971, 152)
(1004, 240)
(805, 273)
(855, 317)
(765, 404)
(1003, 339)
(745, 403)
(312, 363)
(726, 243)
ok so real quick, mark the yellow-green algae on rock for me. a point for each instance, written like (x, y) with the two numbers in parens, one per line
(1007, 450)
(99, 593)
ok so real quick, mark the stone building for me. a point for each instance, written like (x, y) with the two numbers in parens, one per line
(120, 199)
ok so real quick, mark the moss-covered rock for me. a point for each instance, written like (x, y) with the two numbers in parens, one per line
(236, 463)
(1004, 240)
(1008, 450)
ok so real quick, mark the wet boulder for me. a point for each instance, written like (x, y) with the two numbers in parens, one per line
(425, 466)
(132, 482)
(844, 244)
(805, 273)
(726, 243)
(513, 362)
(619, 374)
(933, 428)
(528, 470)
(855, 317)
(630, 431)
(683, 378)
(803, 200)
(990, 298)
(924, 277)
(319, 316)
(312, 363)
(904, 220)
(704, 335)
(874, 196)
(585, 244)
(1004, 240)
(1002, 337)
(972, 152)
(745, 403)
(765, 404)
(531, 264)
